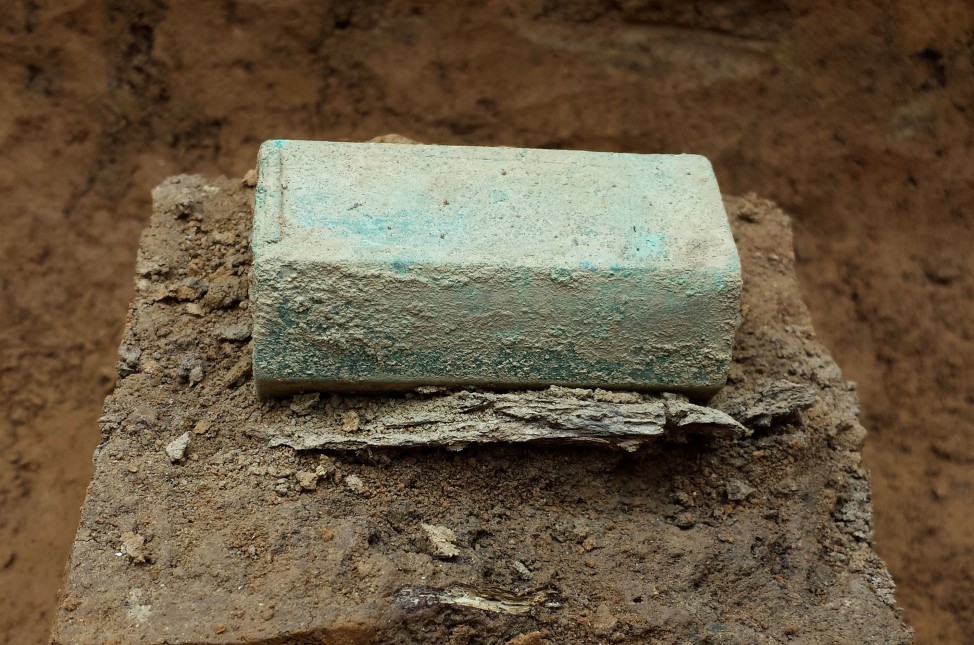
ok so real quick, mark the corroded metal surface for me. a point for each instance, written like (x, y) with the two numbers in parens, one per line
(382, 266)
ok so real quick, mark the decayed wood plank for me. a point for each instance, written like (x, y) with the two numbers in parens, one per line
(557, 415)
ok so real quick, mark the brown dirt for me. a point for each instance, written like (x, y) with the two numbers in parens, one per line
(855, 116)
(699, 536)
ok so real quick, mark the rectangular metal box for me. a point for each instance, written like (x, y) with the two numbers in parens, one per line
(387, 266)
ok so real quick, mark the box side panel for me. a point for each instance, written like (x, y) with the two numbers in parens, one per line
(336, 327)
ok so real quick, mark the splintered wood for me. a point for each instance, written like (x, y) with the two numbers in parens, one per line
(622, 420)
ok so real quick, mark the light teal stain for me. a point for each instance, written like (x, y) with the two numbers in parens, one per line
(497, 196)
(654, 246)
(400, 266)
(389, 231)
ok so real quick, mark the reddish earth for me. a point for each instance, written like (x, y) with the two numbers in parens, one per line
(856, 117)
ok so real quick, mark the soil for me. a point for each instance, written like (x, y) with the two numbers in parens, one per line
(203, 525)
(856, 117)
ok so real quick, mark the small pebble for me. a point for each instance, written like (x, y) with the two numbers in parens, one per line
(176, 450)
(685, 520)
(350, 422)
(306, 480)
(133, 545)
(683, 499)
(240, 331)
(441, 539)
(355, 483)
(737, 490)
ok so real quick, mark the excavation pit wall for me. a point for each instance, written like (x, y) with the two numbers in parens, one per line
(195, 530)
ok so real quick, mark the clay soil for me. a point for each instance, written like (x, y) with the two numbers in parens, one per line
(856, 117)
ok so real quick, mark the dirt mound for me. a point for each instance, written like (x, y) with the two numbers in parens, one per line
(856, 119)
(203, 523)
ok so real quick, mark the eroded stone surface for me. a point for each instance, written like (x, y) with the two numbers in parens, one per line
(754, 539)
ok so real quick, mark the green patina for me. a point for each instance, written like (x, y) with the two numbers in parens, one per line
(516, 351)
(384, 266)
(505, 366)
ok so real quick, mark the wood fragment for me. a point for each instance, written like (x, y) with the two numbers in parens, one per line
(555, 415)
(780, 402)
